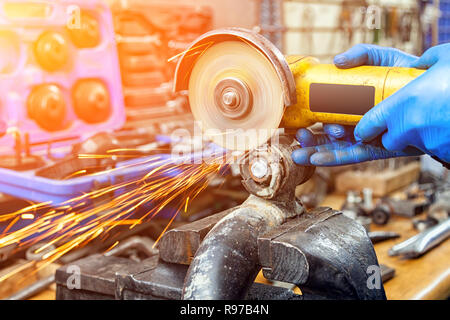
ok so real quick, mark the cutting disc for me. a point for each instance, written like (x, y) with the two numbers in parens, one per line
(234, 73)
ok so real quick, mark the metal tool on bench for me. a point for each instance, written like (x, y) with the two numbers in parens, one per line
(324, 253)
(238, 80)
(422, 242)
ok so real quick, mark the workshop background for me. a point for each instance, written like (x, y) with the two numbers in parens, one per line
(85, 126)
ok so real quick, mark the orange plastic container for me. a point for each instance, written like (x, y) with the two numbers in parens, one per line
(59, 72)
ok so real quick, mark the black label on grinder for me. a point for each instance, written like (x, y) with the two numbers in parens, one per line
(341, 98)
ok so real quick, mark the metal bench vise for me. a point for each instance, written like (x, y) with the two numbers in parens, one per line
(324, 253)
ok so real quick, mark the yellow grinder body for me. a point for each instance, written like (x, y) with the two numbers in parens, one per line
(242, 89)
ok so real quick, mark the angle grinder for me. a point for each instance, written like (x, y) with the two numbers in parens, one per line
(242, 88)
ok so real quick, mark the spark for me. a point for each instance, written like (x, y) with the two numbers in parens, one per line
(75, 223)
(77, 173)
(17, 270)
(186, 206)
(208, 44)
(115, 244)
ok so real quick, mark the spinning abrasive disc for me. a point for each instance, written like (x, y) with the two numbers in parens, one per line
(236, 95)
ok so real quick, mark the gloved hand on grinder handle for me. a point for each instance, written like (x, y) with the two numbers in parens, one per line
(413, 121)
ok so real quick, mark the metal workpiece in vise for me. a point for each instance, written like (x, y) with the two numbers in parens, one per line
(270, 173)
(324, 253)
(227, 261)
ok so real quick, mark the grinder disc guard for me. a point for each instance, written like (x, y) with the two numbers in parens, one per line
(236, 95)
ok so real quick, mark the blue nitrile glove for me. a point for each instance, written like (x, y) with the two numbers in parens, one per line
(418, 115)
(339, 147)
(373, 55)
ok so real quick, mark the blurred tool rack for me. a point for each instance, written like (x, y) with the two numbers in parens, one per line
(148, 34)
(437, 23)
(325, 28)
(61, 181)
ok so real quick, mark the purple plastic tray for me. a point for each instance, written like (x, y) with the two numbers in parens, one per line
(26, 185)
(20, 72)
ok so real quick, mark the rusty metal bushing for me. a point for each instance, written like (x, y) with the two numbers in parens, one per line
(269, 172)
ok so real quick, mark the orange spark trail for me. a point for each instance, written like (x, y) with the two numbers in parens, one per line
(208, 44)
(73, 224)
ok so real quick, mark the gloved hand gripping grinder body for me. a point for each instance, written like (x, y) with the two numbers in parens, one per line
(412, 121)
